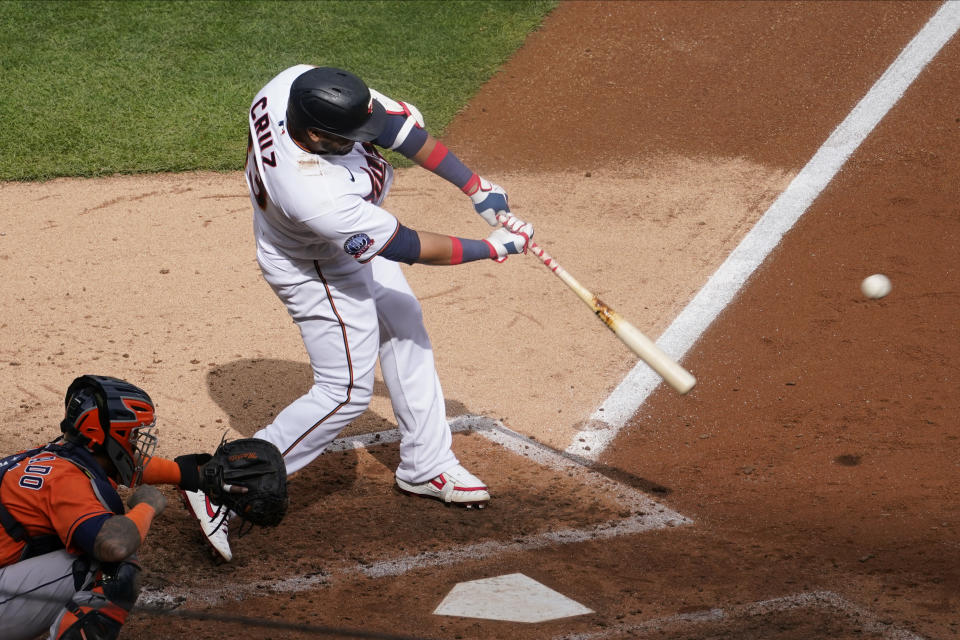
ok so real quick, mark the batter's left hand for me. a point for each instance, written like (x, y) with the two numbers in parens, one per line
(489, 200)
(513, 237)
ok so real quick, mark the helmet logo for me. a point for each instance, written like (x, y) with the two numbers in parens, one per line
(88, 424)
(370, 106)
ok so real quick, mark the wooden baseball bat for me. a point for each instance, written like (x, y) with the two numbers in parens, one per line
(665, 366)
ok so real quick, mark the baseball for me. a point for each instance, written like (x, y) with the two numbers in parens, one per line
(876, 286)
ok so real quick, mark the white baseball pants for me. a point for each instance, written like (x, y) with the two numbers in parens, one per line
(348, 317)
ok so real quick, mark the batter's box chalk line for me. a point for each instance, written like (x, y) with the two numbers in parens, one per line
(646, 515)
(864, 621)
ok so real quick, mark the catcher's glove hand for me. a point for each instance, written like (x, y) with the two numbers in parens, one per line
(257, 466)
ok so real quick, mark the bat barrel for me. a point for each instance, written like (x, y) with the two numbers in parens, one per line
(676, 376)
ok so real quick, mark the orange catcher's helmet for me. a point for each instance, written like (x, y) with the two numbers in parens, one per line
(112, 417)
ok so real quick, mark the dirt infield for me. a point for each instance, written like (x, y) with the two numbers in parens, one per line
(806, 488)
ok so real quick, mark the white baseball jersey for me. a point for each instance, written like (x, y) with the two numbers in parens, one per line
(318, 207)
(319, 228)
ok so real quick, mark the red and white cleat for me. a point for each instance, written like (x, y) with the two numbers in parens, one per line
(454, 486)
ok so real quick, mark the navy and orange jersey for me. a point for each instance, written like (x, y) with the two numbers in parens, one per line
(58, 490)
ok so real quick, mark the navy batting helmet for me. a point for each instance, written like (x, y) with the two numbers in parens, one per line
(111, 417)
(334, 101)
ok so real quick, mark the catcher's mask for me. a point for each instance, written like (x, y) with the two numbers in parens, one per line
(112, 417)
(334, 101)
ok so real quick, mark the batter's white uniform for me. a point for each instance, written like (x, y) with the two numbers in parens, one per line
(319, 225)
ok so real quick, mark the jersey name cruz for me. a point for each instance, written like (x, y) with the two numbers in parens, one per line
(261, 124)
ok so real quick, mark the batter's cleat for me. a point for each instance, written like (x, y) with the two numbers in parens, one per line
(454, 486)
(213, 521)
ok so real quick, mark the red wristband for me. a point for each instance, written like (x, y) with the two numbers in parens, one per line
(466, 250)
(456, 252)
(436, 156)
(472, 185)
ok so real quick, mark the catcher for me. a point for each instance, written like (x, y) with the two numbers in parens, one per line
(68, 546)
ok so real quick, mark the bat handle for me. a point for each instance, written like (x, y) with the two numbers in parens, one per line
(545, 257)
(536, 249)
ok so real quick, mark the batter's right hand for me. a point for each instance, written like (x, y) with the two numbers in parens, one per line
(149, 494)
(489, 200)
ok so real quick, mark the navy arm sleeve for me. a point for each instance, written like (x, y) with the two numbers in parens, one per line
(403, 247)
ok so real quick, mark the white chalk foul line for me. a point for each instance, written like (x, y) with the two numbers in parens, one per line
(863, 620)
(723, 285)
(645, 515)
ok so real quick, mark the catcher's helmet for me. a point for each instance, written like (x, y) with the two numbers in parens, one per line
(111, 417)
(334, 101)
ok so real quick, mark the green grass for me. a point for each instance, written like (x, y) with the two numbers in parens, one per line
(101, 87)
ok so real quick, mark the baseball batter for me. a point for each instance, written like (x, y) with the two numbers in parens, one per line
(331, 253)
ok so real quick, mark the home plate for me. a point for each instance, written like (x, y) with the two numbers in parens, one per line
(513, 597)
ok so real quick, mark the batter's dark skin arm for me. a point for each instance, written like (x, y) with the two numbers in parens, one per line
(435, 248)
(424, 247)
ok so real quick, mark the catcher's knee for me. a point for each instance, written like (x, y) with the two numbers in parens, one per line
(121, 584)
(99, 614)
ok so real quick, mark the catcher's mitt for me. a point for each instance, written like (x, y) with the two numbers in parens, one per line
(252, 463)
